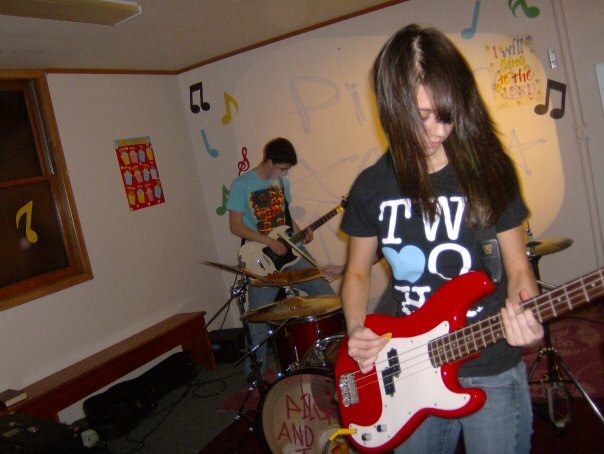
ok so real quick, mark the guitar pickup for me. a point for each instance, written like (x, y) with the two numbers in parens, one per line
(389, 373)
(348, 389)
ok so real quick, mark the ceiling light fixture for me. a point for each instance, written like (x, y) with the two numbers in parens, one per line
(104, 12)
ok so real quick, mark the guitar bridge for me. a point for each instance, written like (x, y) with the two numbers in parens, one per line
(348, 389)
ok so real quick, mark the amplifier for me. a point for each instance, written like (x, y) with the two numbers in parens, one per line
(227, 344)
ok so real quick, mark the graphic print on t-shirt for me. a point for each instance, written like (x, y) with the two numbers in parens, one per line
(268, 205)
(429, 253)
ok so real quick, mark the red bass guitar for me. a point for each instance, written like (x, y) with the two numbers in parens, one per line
(415, 375)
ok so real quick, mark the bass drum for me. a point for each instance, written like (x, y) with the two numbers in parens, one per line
(300, 412)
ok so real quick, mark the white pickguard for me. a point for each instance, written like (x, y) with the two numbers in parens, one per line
(251, 255)
(418, 386)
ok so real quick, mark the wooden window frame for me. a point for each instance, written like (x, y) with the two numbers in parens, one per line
(54, 170)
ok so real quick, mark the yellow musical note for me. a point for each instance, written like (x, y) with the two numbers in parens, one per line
(27, 210)
(228, 100)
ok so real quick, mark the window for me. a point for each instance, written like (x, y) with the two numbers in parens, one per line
(41, 243)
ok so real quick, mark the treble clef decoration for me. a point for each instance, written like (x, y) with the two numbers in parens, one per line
(244, 164)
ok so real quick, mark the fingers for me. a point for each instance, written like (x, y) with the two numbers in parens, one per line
(364, 346)
(521, 327)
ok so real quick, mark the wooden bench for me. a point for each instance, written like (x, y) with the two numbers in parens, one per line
(47, 397)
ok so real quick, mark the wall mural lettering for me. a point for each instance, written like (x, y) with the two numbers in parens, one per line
(518, 148)
(516, 71)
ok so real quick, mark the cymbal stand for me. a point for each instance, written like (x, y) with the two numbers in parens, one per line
(238, 291)
(556, 384)
(238, 288)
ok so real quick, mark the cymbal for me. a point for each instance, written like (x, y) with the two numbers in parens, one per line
(547, 246)
(288, 278)
(236, 270)
(294, 307)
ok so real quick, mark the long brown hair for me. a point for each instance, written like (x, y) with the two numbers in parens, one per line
(485, 174)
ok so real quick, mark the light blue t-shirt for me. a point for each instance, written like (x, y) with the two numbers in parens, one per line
(262, 202)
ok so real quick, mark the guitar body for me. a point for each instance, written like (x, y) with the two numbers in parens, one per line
(390, 409)
(262, 261)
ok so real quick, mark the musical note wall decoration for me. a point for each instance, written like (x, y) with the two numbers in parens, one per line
(557, 112)
(203, 105)
(27, 210)
(469, 32)
(244, 164)
(228, 100)
(213, 152)
(221, 210)
(529, 11)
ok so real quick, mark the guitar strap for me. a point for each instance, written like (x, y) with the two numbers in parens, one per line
(489, 254)
(288, 216)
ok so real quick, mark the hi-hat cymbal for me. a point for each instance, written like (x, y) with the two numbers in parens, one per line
(294, 307)
(288, 278)
(547, 246)
(236, 270)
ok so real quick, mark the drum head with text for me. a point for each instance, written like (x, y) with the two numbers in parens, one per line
(299, 414)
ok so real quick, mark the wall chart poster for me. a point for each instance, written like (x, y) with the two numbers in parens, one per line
(139, 172)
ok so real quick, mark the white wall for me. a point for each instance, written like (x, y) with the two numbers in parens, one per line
(145, 263)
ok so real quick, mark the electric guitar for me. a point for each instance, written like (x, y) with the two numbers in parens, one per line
(415, 375)
(261, 260)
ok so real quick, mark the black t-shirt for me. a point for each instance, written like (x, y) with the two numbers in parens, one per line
(423, 255)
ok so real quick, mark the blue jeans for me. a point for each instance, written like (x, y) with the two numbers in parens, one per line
(261, 296)
(502, 426)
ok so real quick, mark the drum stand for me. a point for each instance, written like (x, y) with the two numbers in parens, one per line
(238, 291)
(556, 384)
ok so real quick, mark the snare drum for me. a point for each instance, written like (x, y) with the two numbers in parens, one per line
(299, 413)
(295, 340)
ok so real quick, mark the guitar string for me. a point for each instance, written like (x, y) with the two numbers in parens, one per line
(499, 327)
(544, 300)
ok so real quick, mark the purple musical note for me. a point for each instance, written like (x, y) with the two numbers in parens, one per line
(558, 112)
(469, 32)
(198, 87)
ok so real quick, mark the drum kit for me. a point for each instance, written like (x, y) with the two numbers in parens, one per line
(299, 411)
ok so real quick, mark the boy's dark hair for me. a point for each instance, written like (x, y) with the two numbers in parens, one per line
(280, 151)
